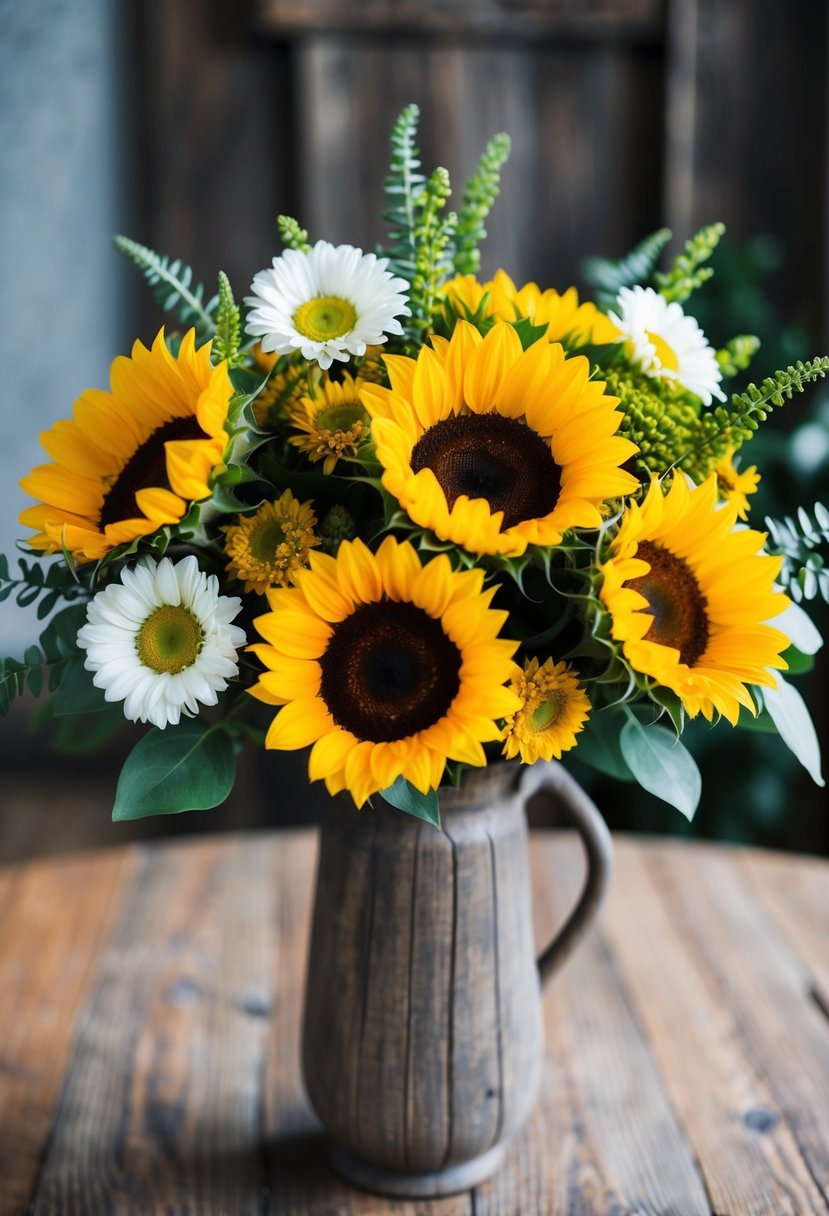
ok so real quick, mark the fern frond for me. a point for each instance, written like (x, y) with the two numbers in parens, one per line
(736, 355)
(753, 406)
(688, 272)
(43, 664)
(228, 325)
(403, 187)
(481, 191)
(608, 275)
(803, 573)
(172, 285)
(292, 235)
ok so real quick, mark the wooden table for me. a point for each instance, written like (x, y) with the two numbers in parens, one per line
(150, 1010)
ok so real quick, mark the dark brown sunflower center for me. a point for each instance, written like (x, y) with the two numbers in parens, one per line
(680, 610)
(492, 457)
(389, 670)
(145, 468)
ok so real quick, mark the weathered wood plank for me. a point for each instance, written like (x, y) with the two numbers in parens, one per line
(747, 1153)
(604, 1073)
(499, 18)
(796, 892)
(55, 918)
(753, 972)
(569, 114)
(161, 1106)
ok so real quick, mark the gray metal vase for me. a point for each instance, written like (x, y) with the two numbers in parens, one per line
(422, 1039)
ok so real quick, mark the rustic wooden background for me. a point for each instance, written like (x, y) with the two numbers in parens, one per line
(624, 115)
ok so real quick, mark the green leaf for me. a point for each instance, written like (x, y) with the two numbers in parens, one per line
(661, 765)
(172, 285)
(688, 272)
(635, 267)
(598, 745)
(77, 694)
(188, 767)
(666, 699)
(527, 332)
(228, 325)
(788, 711)
(406, 798)
(799, 629)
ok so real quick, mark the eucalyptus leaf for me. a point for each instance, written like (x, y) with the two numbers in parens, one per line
(788, 711)
(77, 694)
(661, 765)
(799, 629)
(403, 795)
(598, 745)
(188, 767)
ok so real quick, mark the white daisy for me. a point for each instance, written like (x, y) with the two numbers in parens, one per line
(330, 303)
(161, 640)
(666, 343)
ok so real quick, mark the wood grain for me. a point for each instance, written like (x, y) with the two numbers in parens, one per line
(150, 1012)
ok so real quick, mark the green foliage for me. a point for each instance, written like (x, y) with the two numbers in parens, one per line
(432, 234)
(228, 325)
(670, 428)
(736, 355)
(688, 272)
(188, 767)
(608, 276)
(292, 235)
(172, 285)
(43, 665)
(788, 712)
(731, 426)
(661, 764)
(481, 191)
(403, 187)
(48, 582)
(403, 795)
(803, 573)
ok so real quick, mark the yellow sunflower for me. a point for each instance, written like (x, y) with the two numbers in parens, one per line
(133, 459)
(735, 486)
(554, 708)
(494, 448)
(689, 595)
(388, 667)
(267, 548)
(332, 424)
(562, 314)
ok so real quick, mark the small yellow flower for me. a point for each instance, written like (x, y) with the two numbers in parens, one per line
(332, 424)
(267, 548)
(734, 487)
(554, 708)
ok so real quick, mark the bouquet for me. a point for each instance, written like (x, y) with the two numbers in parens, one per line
(416, 521)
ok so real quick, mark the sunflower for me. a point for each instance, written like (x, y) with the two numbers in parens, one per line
(562, 314)
(131, 460)
(554, 708)
(388, 667)
(734, 486)
(332, 424)
(666, 343)
(494, 448)
(267, 548)
(688, 596)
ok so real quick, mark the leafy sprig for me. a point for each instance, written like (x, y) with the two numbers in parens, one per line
(688, 271)
(608, 275)
(803, 573)
(403, 188)
(433, 232)
(172, 285)
(736, 355)
(42, 665)
(34, 581)
(228, 325)
(292, 234)
(481, 191)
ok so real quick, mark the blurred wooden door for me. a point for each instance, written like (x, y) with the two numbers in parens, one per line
(624, 114)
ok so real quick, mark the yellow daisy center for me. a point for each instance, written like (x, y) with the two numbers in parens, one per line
(545, 713)
(324, 318)
(265, 539)
(664, 353)
(492, 457)
(389, 671)
(170, 639)
(679, 609)
(147, 467)
(348, 419)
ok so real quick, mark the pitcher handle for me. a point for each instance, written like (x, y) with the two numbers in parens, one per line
(551, 779)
